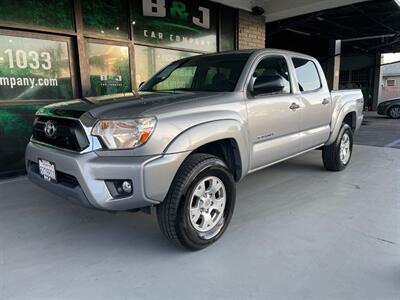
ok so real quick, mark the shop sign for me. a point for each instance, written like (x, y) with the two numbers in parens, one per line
(189, 25)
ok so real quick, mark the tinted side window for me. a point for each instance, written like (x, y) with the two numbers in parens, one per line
(274, 65)
(307, 74)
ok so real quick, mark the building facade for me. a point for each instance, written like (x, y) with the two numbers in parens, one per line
(390, 85)
(64, 49)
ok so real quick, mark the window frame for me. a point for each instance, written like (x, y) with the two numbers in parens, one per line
(72, 63)
(297, 77)
(111, 43)
(391, 80)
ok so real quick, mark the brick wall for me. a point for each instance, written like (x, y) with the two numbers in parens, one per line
(251, 31)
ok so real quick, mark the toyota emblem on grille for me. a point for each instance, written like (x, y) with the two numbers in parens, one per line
(50, 129)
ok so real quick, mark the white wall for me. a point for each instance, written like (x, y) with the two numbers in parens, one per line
(390, 92)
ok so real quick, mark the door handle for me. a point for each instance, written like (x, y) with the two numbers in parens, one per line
(294, 106)
(326, 101)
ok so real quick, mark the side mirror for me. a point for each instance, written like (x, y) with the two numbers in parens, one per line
(268, 84)
(141, 84)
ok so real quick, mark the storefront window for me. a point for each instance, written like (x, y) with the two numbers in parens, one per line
(149, 60)
(53, 14)
(32, 69)
(188, 25)
(109, 69)
(108, 18)
(227, 33)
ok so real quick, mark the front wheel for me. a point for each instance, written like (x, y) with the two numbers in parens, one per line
(337, 156)
(200, 203)
(394, 112)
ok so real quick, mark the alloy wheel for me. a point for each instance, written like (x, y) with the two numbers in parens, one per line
(395, 112)
(345, 148)
(207, 206)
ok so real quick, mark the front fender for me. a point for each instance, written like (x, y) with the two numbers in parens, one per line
(204, 133)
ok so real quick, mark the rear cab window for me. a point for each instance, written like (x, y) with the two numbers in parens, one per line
(307, 75)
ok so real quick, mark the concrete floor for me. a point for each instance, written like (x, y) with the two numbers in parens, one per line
(379, 131)
(298, 232)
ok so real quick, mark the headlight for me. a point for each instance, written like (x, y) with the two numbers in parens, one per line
(124, 134)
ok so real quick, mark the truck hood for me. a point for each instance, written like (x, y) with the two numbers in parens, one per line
(111, 107)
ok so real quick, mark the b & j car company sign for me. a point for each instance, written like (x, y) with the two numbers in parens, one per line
(188, 25)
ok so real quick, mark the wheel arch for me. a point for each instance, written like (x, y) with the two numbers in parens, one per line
(351, 119)
(228, 151)
(226, 139)
(348, 115)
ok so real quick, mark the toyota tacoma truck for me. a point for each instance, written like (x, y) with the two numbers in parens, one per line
(191, 132)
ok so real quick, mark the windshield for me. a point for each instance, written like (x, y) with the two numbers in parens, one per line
(218, 73)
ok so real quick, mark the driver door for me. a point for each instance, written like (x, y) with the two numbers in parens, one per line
(274, 119)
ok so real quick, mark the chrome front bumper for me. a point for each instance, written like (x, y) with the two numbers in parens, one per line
(82, 177)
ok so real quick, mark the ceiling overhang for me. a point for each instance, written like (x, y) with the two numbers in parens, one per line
(282, 9)
(368, 27)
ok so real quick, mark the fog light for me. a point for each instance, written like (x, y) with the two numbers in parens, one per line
(127, 187)
(120, 188)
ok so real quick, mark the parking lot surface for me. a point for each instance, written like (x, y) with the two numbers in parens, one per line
(298, 232)
(379, 131)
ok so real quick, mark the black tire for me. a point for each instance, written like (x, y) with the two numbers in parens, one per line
(393, 112)
(331, 153)
(173, 213)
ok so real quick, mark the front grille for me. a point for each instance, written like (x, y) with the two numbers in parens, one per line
(69, 134)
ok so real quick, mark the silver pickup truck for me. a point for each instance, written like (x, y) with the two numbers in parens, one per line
(192, 131)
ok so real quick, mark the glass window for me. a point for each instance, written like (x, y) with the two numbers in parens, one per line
(53, 14)
(203, 73)
(149, 60)
(109, 18)
(179, 79)
(307, 75)
(391, 82)
(185, 24)
(275, 65)
(109, 69)
(227, 32)
(34, 69)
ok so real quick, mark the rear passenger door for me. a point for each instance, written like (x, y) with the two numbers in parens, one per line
(315, 102)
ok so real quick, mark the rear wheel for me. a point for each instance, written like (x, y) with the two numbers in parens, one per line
(337, 156)
(200, 203)
(394, 112)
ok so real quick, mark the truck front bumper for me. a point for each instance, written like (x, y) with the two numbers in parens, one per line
(81, 178)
